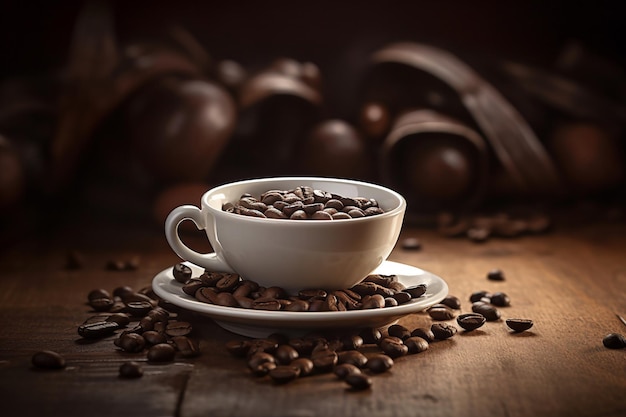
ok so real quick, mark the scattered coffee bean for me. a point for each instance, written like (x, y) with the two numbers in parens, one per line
(178, 328)
(416, 291)
(324, 360)
(186, 346)
(138, 308)
(379, 363)
(305, 365)
(48, 359)
(614, 341)
(496, 275)
(471, 321)
(359, 381)
(284, 373)
(399, 331)
(416, 344)
(98, 330)
(394, 347)
(441, 313)
(500, 299)
(488, 311)
(131, 369)
(443, 331)
(181, 273)
(425, 333)
(353, 357)
(519, 325)
(345, 369)
(479, 295)
(131, 342)
(162, 352)
(452, 302)
(285, 354)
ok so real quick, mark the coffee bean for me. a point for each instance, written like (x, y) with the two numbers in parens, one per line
(98, 293)
(48, 359)
(614, 341)
(379, 363)
(130, 369)
(359, 381)
(471, 321)
(181, 273)
(442, 313)
(443, 331)
(228, 282)
(372, 302)
(270, 304)
(238, 348)
(154, 338)
(101, 304)
(187, 346)
(425, 333)
(345, 369)
(261, 363)
(131, 342)
(305, 365)
(452, 302)
(122, 291)
(353, 357)
(324, 360)
(393, 346)
(402, 297)
(162, 352)
(138, 308)
(519, 325)
(351, 342)
(285, 354)
(120, 318)
(370, 335)
(284, 373)
(399, 331)
(97, 330)
(416, 345)
(478, 295)
(178, 328)
(488, 311)
(500, 299)
(192, 286)
(416, 291)
(496, 275)
(262, 345)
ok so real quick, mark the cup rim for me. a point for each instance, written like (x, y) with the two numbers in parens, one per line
(399, 208)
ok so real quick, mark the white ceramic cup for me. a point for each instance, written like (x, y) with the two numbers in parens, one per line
(291, 254)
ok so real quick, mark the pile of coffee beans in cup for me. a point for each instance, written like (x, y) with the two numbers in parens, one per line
(303, 203)
(230, 290)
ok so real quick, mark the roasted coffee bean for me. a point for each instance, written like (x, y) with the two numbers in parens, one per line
(244, 288)
(181, 273)
(284, 373)
(393, 346)
(496, 275)
(305, 365)
(122, 291)
(228, 282)
(98, 330)
(500, 299)
(443, 331)
(416, 344)
(302, 345)
(138, 308)
(187, 346)
(262, 345)
(452, 302)
(359, 381)
(519, 325)
(490, 312)
(238, 348)
(324, 360)
(416, 290)
(379, 363)
(98, 293)
(192, 286)
(146, 323)
(442, 313)
(206, 295)
(479, 295)
(178, 328)
(353, 357)
(345, 369)
(131, 342)
(425, 333)
(391, 302)
(101, 304)
(162, 352)
(351, 342)
(159, 314)
(226, 299)
(130, 369)
(372, 302)
(261, 363)
(285, 354)
(48, 359)
(471, 321)
(154, 338)
(271, 304)
(120, 318)
(402, 297)
(399, 331)
(614, 341)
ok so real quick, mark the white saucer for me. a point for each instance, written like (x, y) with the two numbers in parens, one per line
(260, 323)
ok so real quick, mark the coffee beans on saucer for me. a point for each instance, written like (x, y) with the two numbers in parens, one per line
(303, 203)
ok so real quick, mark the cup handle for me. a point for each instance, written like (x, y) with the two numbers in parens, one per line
(210, 261)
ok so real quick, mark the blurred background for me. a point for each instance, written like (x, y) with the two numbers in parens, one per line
(117, 112)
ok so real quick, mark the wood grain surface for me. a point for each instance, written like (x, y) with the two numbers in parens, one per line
(571, 282)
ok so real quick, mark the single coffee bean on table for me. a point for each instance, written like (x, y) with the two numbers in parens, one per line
(344, 369)
(519, 325)
(471, 321)
(500, 299)
(443, 331)
(48, 359)
(614, 341)
(496, 275)
(358, 381)
(130, 369)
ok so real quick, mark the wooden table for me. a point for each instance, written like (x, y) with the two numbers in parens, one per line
(570, 282)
